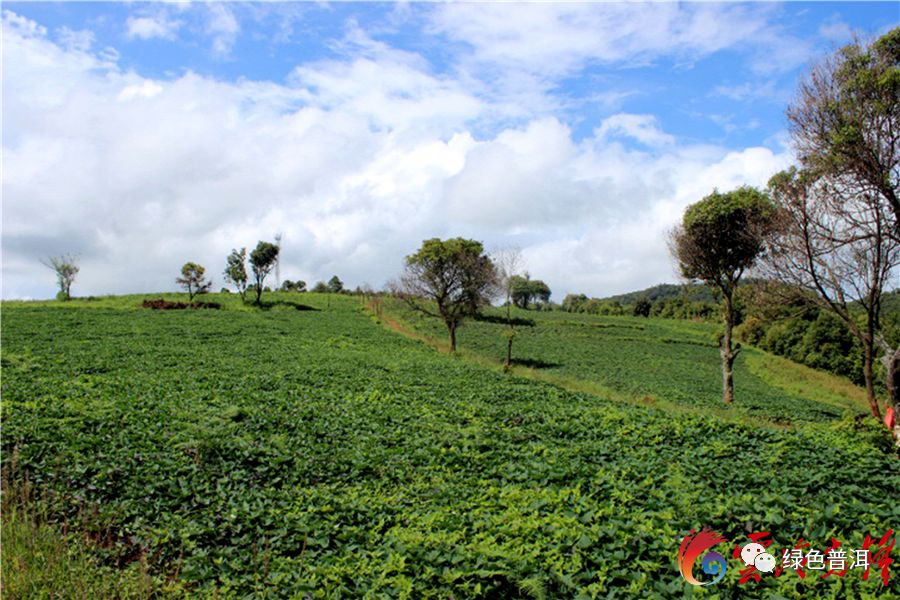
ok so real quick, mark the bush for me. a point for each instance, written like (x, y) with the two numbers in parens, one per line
(751, 331)
(162, 304)
(642, 308)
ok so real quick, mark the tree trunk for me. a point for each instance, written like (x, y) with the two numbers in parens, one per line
(452, 327)
(258, 294)
(509, 343)
(869, 376)
(728, 355)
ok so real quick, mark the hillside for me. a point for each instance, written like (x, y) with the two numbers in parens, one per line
(309, 450)
(659, 361)
(666, 291)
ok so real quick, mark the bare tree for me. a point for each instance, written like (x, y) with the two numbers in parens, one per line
(66, 269)
(834, 245)
(845, 125)
(508, 262)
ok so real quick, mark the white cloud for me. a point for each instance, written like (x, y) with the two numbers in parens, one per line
(553, 39)
(75, 40)
(146, 28)
(354, 160)
(836, 30)
(145, 89)
(222, 26)
(643, 128)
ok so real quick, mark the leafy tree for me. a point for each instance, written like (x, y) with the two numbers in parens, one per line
(262, 261)
(236, 271)
(335, 285)
(293, 286)
(455, 275)
(193, 279)
(720, 237)
(845, 122)
(642, 307)
(66, 269)
(320, 288)
(526, 291)
(574, 302)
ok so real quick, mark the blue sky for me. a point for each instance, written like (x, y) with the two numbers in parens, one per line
(142, 135)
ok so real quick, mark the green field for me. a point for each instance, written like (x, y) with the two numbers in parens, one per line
(317, 453)
(665, 361)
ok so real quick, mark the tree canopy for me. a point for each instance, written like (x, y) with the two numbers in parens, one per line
(193, 279)
(335, 285)
(720, 237)
(262, 261)
(236, 270)
(455, 274)
(527, 291)
(845, 122)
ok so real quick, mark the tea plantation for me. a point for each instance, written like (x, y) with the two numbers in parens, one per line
(287, 453)
(669, 361)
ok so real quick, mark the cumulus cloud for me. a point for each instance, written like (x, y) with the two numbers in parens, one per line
(146, 28)
(355, 160)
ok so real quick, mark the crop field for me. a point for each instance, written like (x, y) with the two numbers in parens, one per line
(672, 361)
(308, 451)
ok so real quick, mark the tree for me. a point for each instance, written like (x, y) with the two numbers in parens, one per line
(508, 261)
(262, 261)
(193, 279)
(642, 307)
(574, 302)
(320, 288)
(335, 285)
(236, 271)
(455, 275)
(66, 269)
(835, 248)
(720, 237)
(293, 286)
(526, 290)
(845, 123)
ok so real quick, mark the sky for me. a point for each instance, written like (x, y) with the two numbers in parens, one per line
(139, 136)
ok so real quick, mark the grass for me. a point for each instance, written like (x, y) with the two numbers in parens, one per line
(41, 560)
(317, 453)
(804, 381)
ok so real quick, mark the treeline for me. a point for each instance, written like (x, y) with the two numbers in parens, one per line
(668, 308)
